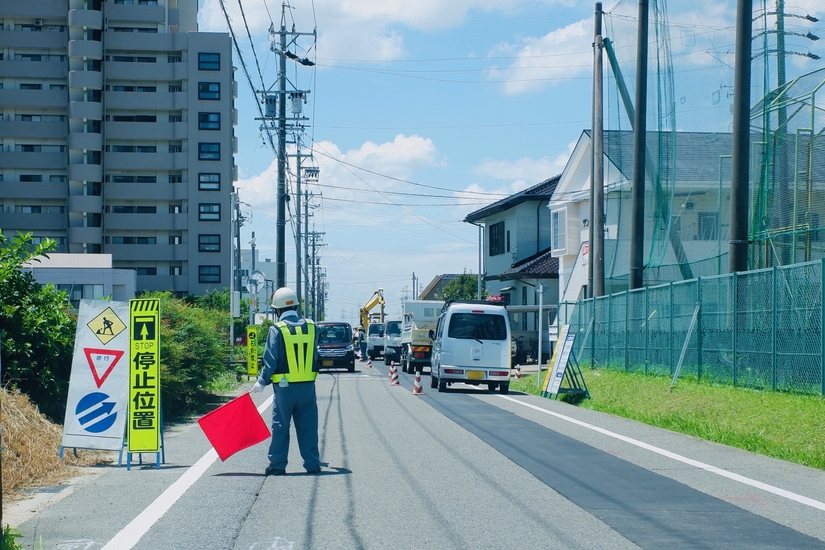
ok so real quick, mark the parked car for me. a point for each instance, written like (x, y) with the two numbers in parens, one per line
(335, 348)
(471, 344)
(392, 342)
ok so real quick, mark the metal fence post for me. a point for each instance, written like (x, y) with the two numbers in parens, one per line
(609, 325)
(670, 337)
(699, 328)
(822, 325)
(647, 328)
(735, 323)
(626, 329)
(774, 302)
(593, 338)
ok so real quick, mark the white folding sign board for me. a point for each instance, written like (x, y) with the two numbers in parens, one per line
(99, 383)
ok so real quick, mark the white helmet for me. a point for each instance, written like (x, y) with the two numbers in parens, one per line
(284, 298)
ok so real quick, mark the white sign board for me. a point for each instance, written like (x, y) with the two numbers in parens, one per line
(560, 358)
(99, 382)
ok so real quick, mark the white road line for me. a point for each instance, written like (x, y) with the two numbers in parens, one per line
(713, 469)
(129, 536)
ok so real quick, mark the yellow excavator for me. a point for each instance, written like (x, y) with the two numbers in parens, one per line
(377, 299)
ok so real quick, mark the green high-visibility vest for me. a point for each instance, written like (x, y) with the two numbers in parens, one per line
(299, 344)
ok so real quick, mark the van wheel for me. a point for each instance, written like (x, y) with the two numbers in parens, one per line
(442, 385)
(351, 368)
(492, 386)
(433, 382)
(504, 388)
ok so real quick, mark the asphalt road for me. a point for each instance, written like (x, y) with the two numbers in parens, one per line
(461, 469)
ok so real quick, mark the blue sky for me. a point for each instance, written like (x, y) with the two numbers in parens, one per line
(423, 111)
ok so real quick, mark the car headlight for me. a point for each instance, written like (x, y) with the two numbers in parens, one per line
(350, 347)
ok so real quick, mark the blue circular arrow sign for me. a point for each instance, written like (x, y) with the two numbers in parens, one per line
(95, 413)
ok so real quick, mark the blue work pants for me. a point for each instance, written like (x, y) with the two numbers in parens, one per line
(296, 401)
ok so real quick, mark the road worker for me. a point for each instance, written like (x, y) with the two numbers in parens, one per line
(289, 367)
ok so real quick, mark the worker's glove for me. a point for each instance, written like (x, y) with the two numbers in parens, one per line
(257, 388)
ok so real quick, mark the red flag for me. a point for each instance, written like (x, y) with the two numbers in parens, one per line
(234, 426)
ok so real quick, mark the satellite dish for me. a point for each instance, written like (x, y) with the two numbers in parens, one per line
(256, 280)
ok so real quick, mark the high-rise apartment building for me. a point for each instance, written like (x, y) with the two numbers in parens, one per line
(117, 135)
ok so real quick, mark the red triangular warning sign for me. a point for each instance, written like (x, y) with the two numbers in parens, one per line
(102, 360)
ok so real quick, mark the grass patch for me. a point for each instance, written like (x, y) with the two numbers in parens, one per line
(781, 425)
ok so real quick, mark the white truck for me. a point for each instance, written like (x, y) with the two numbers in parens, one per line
(419, 318)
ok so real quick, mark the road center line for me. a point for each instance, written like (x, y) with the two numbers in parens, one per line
(658, 450)
(129, 536)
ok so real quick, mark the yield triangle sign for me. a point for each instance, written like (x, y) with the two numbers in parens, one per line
(102, 361)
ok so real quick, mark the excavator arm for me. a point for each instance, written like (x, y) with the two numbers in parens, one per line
(377, 299)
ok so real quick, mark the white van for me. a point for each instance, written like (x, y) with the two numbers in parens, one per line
(375, 340)
(392, 342)
(471, 344)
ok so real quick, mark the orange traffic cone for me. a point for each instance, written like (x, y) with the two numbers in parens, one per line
(518, 373)
(393, 375)
(417, 386)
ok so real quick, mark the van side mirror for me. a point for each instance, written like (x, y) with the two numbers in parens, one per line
(432, 334)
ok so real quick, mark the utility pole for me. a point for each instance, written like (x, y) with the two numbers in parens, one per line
(738, 256)
(297, 97)
(597, 181)
(279, 47)
(637, 217)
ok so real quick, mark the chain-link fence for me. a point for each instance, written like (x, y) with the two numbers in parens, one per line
(758, 329)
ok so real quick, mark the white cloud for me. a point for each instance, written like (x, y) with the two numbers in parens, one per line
(559, 55)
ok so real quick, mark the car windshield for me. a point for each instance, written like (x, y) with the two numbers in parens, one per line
(394, 328)
(481, 326)
(376, 330)
(334, 334)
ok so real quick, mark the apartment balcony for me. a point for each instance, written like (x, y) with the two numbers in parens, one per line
(92, 49)
(51, 9)
(21, 39)
(85, 203)
(33, 222)
(32, 130)
(162, 100)
(86, 109)
(160, 71)
(55, 70)
(135, 12)
(29, 98)
(138, 191)
(80, 140)
(160, 130)
(86, 79)
(36, 191)
(132, 42)
(85, 172)
(140, 222)
(38, 161)
(86, 235)
(142, 161)
(90, 19)
(146, 252)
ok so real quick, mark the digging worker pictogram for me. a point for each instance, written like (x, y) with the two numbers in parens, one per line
(289, 367)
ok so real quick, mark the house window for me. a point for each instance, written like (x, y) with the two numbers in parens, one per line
(209, 121)
(175, 239)
(147, 271)
(209, 274)
(209, 182)
(209, 243)
(558, 229)
(209, 61)
(209, 151)
(209, 90)
(508, 240)
(175, 178)
(175, 270)
(708, 225)
(209, 212)
(497, 239)
(31, 177)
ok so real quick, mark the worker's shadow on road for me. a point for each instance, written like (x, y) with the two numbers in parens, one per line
(332, 471)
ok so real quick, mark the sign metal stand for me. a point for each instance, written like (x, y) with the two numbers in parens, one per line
(565, 369)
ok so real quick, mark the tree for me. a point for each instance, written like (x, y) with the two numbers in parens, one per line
(463, 287)
(36, 328)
